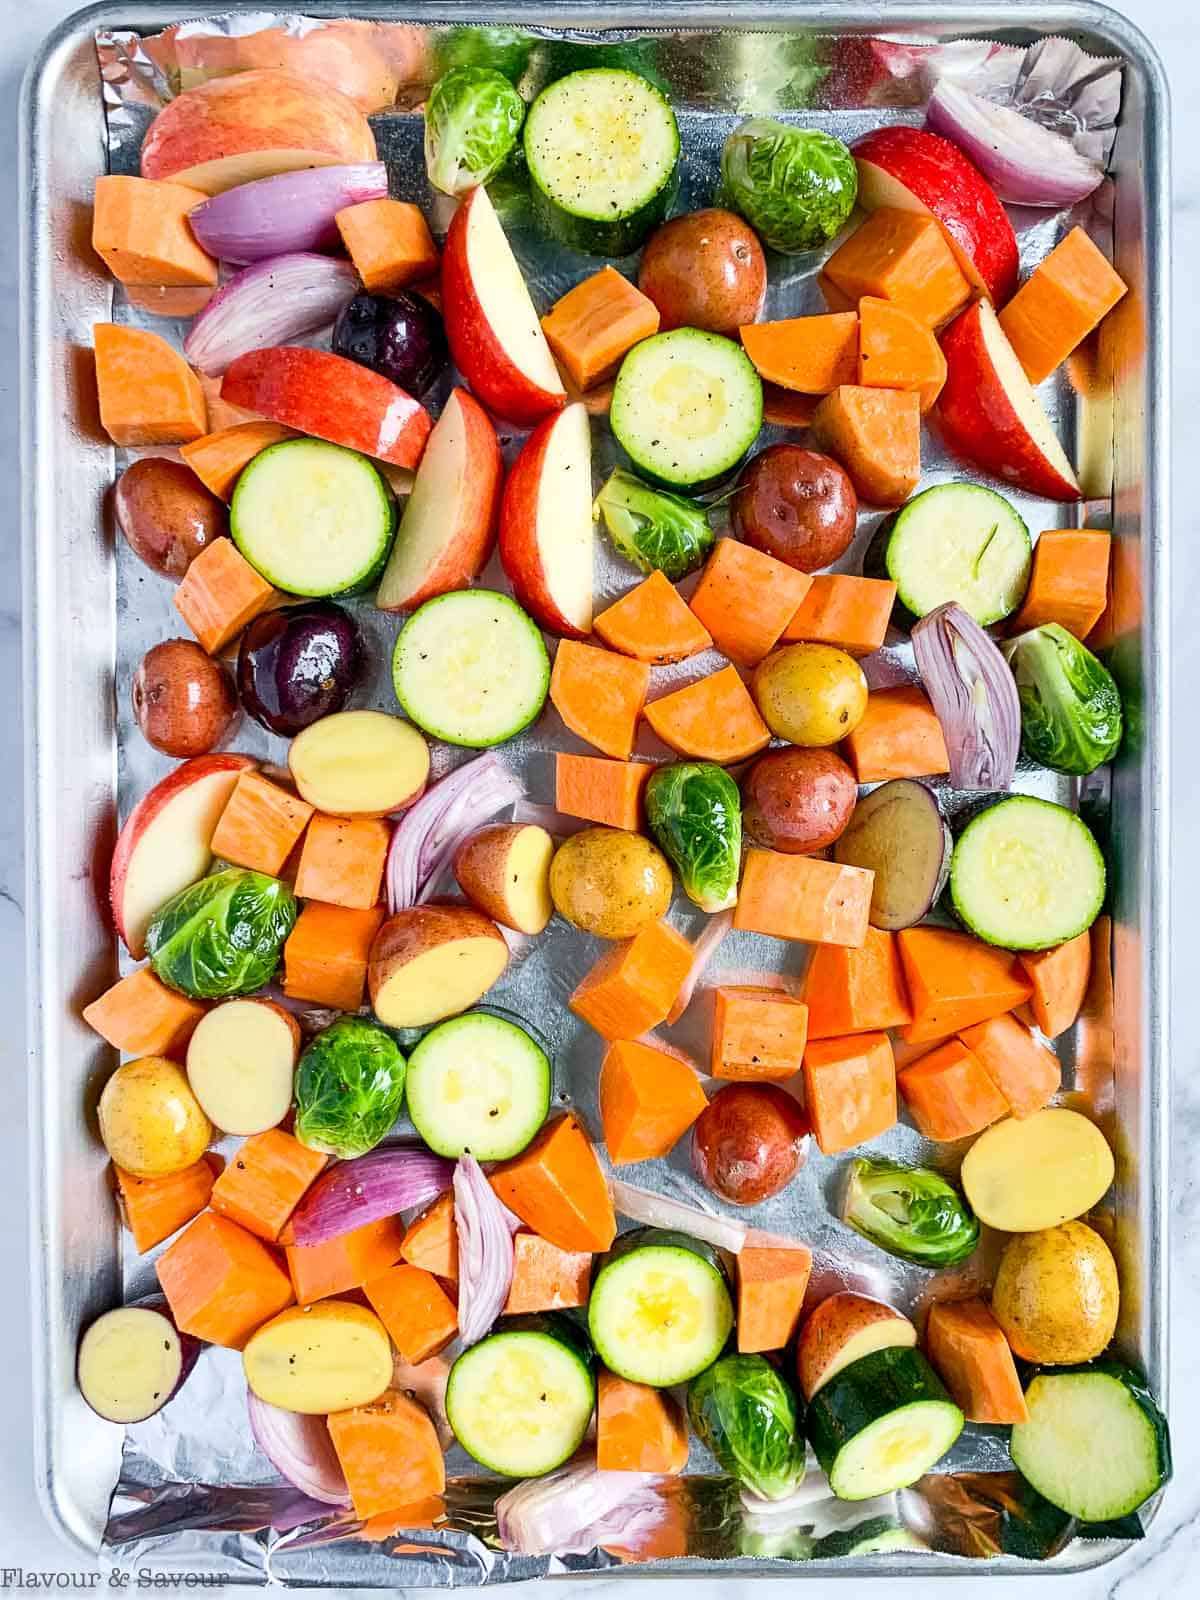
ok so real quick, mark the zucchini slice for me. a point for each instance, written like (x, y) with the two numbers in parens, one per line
(660, 1310)
(1027, 874)
(471, 668)
(686, 407)
(958, 541)
(602, 148)
(313, 518)
(1096, 1445)
(520, 1401)
(881, 1423)
(478, 1083)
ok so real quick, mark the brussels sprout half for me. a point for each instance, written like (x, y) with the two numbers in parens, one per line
(911, 1212)
(349, 1088)
(472, 120)
(656, 530)
(695, 812)
(745, 1413)
(794, 186)
(222, 936)
(1070, 704)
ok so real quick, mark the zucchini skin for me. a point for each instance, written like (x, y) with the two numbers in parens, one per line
(660, 1239)
(593, 237)
(862, 1393)
(553, 1325)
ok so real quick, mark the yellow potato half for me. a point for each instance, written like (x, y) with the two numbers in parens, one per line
(1027, 1173)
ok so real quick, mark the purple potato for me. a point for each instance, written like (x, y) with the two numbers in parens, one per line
(298, 665)
(400, 336)
(898, 833)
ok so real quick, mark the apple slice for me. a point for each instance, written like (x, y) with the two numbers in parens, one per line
(449, 523)
(432, 962)
(504, 869)
(547, 538)
(166, 843)
(910, 169)
(251, 125)
(990, 413)
(842, 1329)
(491, 324)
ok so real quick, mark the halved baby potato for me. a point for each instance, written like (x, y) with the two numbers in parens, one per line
(504, 869)
(1029, 1173)
(241, 1061)
(132, 1360)
(359, 763)
(843, 1329)
(319, 1358)
(432, 962)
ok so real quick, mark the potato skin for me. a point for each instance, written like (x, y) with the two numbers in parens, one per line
(796, 505)
(609, 882)
(821, 1350)
(183, 700)
(704, 270)
(487, 874)
(749, 1143)
(1057, 1294)
(166, 514)
(150, 1121)
(414, 932)
(798, 801)
(810, 694)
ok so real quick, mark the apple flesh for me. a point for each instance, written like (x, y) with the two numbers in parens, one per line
(842, 1329)
(547, 537)
(253, 125)
(491, 324)
(909, 169)
(431, 962)
(166, 842)
(504, 869)
(332, 398)
(449, 523)
(990, 414)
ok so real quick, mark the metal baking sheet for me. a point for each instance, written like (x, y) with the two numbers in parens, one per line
(192, 1491)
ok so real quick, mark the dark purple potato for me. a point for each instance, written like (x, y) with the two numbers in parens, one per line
(897, 832)
(297, 665)
(400, 336)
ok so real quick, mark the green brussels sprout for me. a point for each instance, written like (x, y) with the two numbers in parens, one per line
(911, 1212)
(1070, 703)
(349, 1088)
(222, 936)
(794, 186)
(695, 812)
(472, 120)
(745, 1413)
(656, 530)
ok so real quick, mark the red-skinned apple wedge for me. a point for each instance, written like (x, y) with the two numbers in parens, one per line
(990, 414)
(491, 324)
(842, 1329)
(912, 170)
(251, 125)
(165, 844)
(449, 523)
(547, 539)
(319, 393)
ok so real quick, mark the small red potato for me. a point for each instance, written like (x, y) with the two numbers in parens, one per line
(796, 505)
(704, 270)
(166, 514)
(504, 869)
(842, 1329)
(432, 962)
(798, 801)
(183, 700)
(750, 1142)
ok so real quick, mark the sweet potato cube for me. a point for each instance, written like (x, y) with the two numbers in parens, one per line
(558, 1188)
(599, 790)
(849, 1090)
(326, 955)
(954, 980)
(1059, 304)
(896, 350)
(419, 1315)
(876, 435)
(142, 1017)
(260, 825)
(758, 1035)
(899, 736)
(653, 623)
(346, 1261)
(431, 1240)
(1068, 582)
(218, 459)
(949, 1095)
(388, 1452)
(1023, 1070)
(593, 326)
(967, 1347)
(222, 1283)
(1060, 980)
(648, 1101)
(220, 594)
(341, 861)
(771, 1283)
(546, 1277)
(851, 613)
(788, 408)
(901, 256)
(856, 991)
(809, 354)
(389, 243)
(148, 393)
(599, 695)
(140, 229)
(633, 986)
(803, 897)
(638, 1429)
(155, 1208)
(265, 1181)
(745, 600)
(713, 719)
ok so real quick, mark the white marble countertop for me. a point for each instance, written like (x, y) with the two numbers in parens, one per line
(1168, 1562)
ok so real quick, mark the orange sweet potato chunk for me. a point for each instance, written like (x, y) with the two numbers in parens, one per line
(633, 986)
(967, 1347)
(155, 1208)
(594, 326)
(148, 393)
(899, 736)
(599, 695)
(341, 861)
(264, 1182)
(810, 354)
(1060, 303)
(771, 1283)
(653, 623)
(1060, 980)
(142, 1017)
(140, 229)
(901, 256)
(648, 1101)
(949, 1095)
(745, 600)
(600, 790)
(222, 1283)
(546, 1277)
(851, 613)
(260, 825)
(558, 1188)
(954, 980)
(1068, 582)
(1023, 1070)
(326, 955)
(876, 435)
(896, 350)
(389, 1454)
(856, 991)
(218, 459)
(713, 719)
(220, 594)
(346, 1261)
(804, 898)
(758, 1035)
(389, 243)
(419, 1315)
(638, 1429)
(432, 1239)
(849, 1090)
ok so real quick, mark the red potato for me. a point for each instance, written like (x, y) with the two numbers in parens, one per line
(252, 125)
(240, 1063)
(547, 536)
(796, 505)
(798, 801)
(750, 1142)
(183, 701)
(704, 270)
(133, 1360)
(165, 843)
(432, 962)
(504, 870)
(359, 763)
(842, 1329)
(166, 514)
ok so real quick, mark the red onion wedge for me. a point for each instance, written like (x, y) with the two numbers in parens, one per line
(485, 1250)
(577, 1509)
(270, 303)
(1024, 162)
(657, 1211)
(350, 1194)
(291, 211)
(974, 694)
(712, 935)
(300, 1450)
(426, 839)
